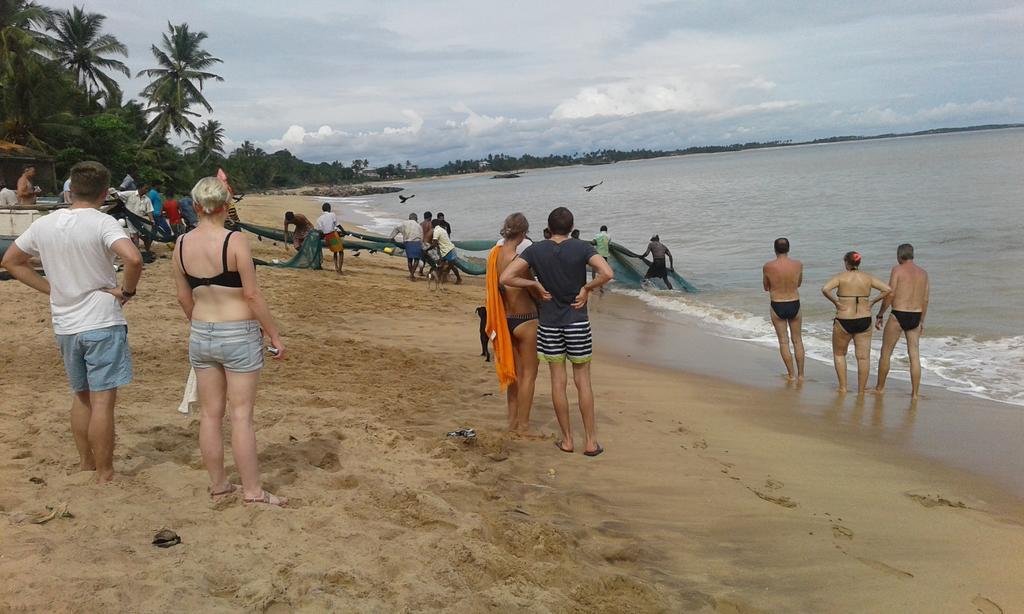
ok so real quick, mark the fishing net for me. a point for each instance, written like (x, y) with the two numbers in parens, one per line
(309, 256)
(629, 267)
(147, 230)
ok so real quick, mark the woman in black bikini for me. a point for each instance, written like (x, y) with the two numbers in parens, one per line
(217, 289)
(521, 310)
(853, 317)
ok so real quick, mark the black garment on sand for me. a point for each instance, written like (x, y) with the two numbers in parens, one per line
(562, 269)
(909, 320)
(786, 310)
(854, 326)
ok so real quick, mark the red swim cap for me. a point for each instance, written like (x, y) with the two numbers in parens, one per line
(856, 257)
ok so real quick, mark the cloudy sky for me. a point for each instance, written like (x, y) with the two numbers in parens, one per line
(433, 81)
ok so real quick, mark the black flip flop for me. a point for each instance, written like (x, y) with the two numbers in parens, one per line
(596, 452)
(558, 444)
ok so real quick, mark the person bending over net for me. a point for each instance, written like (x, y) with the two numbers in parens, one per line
(302, 228)
(658, 270)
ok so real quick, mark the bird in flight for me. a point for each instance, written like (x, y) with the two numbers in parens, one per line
(405, 198)
(591, 187)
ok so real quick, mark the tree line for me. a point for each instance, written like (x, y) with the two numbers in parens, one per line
(59, 95)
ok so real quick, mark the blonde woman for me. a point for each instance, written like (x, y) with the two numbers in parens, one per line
(853, 304)
(217, 289)
(521, 319)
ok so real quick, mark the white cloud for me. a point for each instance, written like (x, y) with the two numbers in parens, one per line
(877, 116)
(716, 92)
(297, 138)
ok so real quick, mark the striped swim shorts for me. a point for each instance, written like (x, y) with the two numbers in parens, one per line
(555, 343)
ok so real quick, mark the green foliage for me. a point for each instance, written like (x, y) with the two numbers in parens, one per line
(79, 46)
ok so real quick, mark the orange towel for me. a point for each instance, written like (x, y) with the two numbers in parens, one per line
(496, 326)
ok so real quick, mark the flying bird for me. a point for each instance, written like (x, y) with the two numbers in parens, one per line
(591, 187)
(405, 198)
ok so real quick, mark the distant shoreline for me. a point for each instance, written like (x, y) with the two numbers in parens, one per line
(502, 163)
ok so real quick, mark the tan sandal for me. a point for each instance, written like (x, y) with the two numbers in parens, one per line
(267, 499)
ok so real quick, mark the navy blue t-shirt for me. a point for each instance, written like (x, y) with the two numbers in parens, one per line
(562, 269)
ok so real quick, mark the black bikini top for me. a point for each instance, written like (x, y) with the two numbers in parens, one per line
(856, 296)
(226, 279)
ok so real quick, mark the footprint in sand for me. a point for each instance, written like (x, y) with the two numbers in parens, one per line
(773, 484)
(782, 500)
(889, 569)
(841, 532)
(929, 500)
(700, 444)
(986, 606)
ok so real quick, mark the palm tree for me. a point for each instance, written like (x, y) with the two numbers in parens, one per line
(177, 81)
(209, 141)
(79, 46)
(22, 69)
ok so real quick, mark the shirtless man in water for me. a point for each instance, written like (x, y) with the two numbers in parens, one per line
(782, 278)
(909, 302)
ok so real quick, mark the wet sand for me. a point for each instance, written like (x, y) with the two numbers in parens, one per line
(711, 497)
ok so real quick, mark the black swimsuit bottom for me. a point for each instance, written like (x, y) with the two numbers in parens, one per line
(514, 321)
(854, 326)
(909, 320)
(786, 310)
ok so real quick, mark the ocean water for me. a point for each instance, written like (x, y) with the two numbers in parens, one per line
(956, 197)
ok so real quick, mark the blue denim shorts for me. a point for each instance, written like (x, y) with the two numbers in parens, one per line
(234, 346)
(97, 359)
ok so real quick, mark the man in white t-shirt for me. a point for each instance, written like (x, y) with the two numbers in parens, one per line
(412, 242)
(449, 257)
(328, 223)
(77, 247)
(137, 201)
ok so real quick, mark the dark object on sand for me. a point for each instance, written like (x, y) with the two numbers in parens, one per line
(591, 187)
(165, 538)
(507, 176)
(405, 198)
(484, 350)
(463, 434)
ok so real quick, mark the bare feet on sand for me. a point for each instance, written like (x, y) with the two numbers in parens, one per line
(526, 433)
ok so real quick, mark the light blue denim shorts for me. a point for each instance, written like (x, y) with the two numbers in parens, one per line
(235, 346)
(97, 359)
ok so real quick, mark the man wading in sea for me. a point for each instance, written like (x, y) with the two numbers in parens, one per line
(658, 270)
(909, 302)
(77, 247)
(782, 279)
(560, 265)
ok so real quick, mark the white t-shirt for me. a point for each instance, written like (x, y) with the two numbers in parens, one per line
(444, 243)
(410, 231)
(139, 205)
(8, 198)
(327, 222)
(67, 191)
(75, 248)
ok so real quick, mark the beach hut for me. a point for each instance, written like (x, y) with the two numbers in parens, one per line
(14, 157)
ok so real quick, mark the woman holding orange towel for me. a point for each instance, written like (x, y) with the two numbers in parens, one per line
(512, 327)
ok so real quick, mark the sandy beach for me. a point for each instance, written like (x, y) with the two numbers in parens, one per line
(711, 497)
